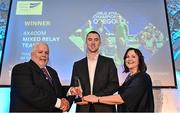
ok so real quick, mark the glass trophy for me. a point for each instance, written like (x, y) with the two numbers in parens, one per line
(77, 84)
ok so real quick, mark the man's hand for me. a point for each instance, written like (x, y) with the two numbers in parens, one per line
(76, 91)
(64, 105)
(82, 102)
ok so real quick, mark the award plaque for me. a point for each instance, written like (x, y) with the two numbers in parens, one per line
(77, 83)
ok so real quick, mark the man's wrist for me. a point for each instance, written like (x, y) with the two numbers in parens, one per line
(69, 92)
(58, 103)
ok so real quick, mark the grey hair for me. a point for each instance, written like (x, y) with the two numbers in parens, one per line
(34, 48)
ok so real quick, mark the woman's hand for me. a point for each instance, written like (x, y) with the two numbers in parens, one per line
(91, 98)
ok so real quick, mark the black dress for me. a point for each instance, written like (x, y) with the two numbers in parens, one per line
(137, 94)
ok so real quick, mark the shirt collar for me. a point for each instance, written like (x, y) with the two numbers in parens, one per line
(95, 57)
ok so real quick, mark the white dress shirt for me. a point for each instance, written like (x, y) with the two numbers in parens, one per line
(92, 68)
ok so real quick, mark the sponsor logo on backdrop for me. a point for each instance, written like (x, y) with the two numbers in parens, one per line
(29, 8)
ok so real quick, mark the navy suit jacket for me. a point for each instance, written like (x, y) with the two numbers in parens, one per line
(137, 94)
(30, 91)
(105, 81)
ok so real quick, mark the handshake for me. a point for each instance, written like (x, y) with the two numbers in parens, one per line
(64, 105)
(80, 99)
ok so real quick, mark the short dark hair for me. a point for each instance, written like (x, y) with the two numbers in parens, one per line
(142, 65)
(94, 32)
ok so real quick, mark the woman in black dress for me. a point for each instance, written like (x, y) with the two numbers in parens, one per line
(135, 94)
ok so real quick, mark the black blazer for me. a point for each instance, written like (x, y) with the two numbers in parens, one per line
(137, 94)
(105, 81)
(30, 91)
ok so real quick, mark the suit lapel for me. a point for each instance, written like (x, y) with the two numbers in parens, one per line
(98, 65)
(38, 70)
(36, 67)
(98, 69)
(86, 75)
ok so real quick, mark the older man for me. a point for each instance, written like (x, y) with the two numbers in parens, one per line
(36, 86)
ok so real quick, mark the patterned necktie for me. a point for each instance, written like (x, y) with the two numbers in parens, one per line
(47, 75)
